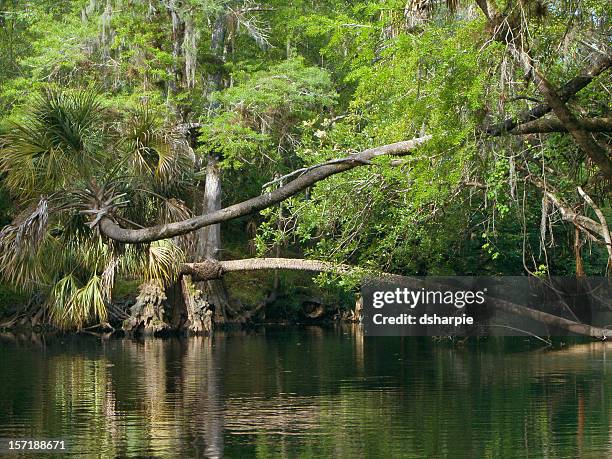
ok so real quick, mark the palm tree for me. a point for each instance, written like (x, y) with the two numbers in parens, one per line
(66, 154)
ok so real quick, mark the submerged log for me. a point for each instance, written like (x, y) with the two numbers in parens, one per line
(553, 320)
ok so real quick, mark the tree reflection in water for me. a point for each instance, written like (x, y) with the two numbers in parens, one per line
(308, 391)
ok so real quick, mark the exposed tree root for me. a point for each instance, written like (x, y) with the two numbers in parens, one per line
(199, 311)
(147, 314)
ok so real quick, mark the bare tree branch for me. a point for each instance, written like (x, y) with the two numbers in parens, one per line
(112, 230)
(543, 126)
(504, 32)
(571, 122)
(586, 224)
(600, 64)
(602, 220)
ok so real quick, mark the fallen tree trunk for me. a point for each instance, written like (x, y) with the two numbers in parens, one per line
(553, 320)
(209, 269)
(255, 264)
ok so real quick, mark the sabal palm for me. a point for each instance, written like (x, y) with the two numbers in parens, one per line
(63, 149)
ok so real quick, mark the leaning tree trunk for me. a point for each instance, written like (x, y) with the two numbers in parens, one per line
(209, 243)
(209, 238)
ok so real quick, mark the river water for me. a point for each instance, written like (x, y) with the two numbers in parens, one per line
(308, 392)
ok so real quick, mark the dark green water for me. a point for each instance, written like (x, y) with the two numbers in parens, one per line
(308, 392)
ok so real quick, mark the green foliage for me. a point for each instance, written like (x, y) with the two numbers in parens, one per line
(293, 84)
(260, 115)
(58, 139)
(53, 154)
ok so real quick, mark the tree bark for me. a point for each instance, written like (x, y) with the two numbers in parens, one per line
(210, 269)
(199, 314)
(147, 315)
(588, 225)
(209, 237)
(544, 126)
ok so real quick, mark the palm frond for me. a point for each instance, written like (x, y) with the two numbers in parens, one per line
(156, 262)
(19, 245)
(164, 261)
(60, 297)
(154, 148)
(57, 139)
(108, 278)
(75, 307)
(173, 210)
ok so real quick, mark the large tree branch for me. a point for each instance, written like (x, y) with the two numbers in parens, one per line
(504, 32)
(553, 320)
(586, 224)
(596, 152)
(313, 175)
(309, 176)
(209, 269)
(544, 126)
(599, 65)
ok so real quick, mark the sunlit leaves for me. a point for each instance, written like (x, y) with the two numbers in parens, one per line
(164, 261)
(260, 116)
(152, 148)
(58, 138)
(71, 305)
(53, 154)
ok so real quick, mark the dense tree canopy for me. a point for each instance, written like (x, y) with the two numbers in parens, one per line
(415, 137)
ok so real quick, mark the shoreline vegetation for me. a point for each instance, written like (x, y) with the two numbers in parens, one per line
(184, 165)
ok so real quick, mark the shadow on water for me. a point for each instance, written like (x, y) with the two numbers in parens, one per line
(309, 392)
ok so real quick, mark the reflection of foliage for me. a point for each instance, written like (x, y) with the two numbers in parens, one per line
(326, 392)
